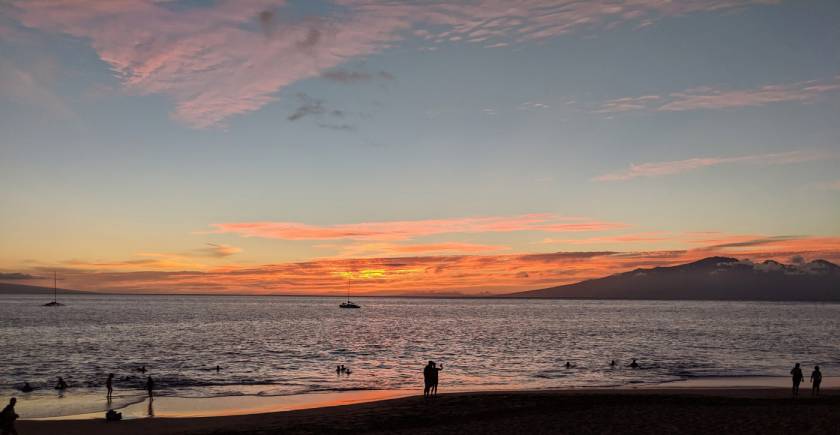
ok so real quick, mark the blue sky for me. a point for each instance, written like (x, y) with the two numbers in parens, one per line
(123, 143)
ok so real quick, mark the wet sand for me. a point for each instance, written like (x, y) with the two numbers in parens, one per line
(642, 411)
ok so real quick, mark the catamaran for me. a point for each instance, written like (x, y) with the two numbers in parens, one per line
(348, 304)
(54, 302)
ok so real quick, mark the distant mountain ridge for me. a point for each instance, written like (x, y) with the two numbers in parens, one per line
(22, 289)
(713, 278)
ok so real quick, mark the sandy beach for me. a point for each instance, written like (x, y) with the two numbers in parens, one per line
(644, 410)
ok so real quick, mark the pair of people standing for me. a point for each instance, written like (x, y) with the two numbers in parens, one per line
(430, 378)
(798, 377)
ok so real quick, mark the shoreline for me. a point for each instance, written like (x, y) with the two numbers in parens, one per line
(136, 406)
(639, 410)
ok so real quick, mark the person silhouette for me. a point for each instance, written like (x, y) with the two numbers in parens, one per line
(435, 377)
(61, 385)
(218, 368)
(427, 379)
(8, 417)
(796, 377)
(816, 380)
(150, 386)
(26, 388)
(612, 363)
(338, 370)
(109, 384)
(568, 365)
(634, 364)
(142, 369)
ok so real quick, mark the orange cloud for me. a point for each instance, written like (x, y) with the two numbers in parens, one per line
(405, 230)
(382, 249)
(656, 236)
(433, 274)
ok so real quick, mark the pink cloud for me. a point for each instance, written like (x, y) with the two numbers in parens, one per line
(405, 230)
(715, 98)
(226, 58)
(659, 169)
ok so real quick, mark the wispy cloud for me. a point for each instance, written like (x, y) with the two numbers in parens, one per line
(349, 77)
(710, 98)
(386, 249)
(405, 230)
(225, 58)
(17, 276)
(656, 236)
(216, 250)
(659, 169)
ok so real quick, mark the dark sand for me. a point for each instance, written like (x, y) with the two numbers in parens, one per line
(642, 411)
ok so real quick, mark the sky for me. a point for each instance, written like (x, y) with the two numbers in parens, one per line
(447, 147)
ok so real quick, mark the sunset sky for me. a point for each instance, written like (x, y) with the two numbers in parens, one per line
(487, 146)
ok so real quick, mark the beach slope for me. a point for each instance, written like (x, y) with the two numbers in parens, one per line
(687, 411)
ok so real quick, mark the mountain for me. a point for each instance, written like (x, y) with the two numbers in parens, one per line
(9, 288)
(713, 278)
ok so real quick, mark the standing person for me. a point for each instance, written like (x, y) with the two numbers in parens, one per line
(435, 372)
(8, 417)
(427, 379)
(109, 384)
(816, 380)
(796, 377)
(150, 386)
(61, 385)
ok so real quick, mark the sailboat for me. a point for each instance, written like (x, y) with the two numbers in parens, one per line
(348, 304)
(55, 302)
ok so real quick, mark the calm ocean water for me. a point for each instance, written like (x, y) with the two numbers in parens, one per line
(289, 345)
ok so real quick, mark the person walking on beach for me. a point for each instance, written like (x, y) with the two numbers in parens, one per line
(816, 380)
(8, 417)
(797, 377)
(150, 386)
(109, 384)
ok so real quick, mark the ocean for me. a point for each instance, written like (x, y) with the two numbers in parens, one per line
(291, 345)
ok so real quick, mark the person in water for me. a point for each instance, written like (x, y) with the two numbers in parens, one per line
(218, 368)
(26, 388)
(796, 377)
(109, 384)
(61, 385)
(568, 365)
(634, 364)
(8, 417)
(612, 363)
(816, 380)
(338, 370)
(150, 386)
(142, 369)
